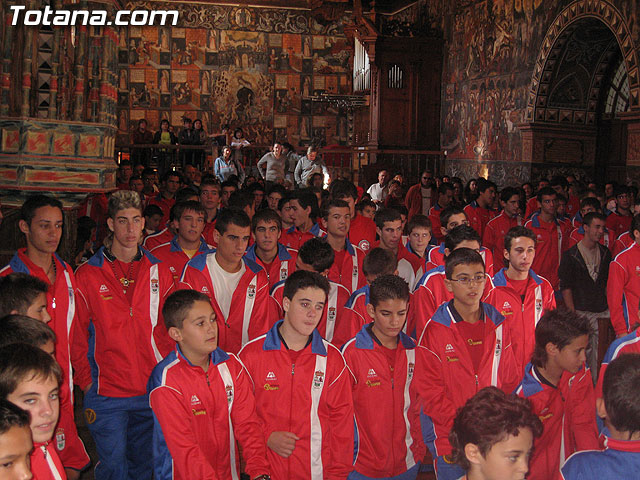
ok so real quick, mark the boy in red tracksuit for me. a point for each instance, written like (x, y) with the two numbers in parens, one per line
(497, 227)
(467, 346)
(624, 240)
(480, 211)
(238, 287)
(188, 221)
(587, 205)
(620, 220)
(347, 265)
(170, 184)
(520, 295)
(120, 294)
(193, 436)
(431, 290)
(41, 221)
(354, 314)
(419, 231)
(549, 237)
(302, 388)
(277, 260)
(362, 230)
(623, 286)
(445, 198)
(383, 363)
(316, 255)
(210, 200)
(15, 440)
(303, 205)
(30, 380)
(558, 384)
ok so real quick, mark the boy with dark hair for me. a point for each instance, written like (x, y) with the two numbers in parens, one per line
(15, 442)
(152, 217)
(623, 286)
(587, 205)
(302, 388)
(188, 221)
(389, 229)
(419, 230)
(560, 389)
(382, 361)
(445, 198)
(169, 183)
(549, 237)
(605, 238)
(41, 221)
(620, 220)
(354, 313)
(238, 287)
(619, 408)
(167, 234)
(277, 260)
(366, 208)
(274, 194)
(480, 211)
(24, 294)
(227, 188)
(21, 329)
(210, 200)
(30, 378)
(468, 347)
(285, 212)
(347, 265)
(362, 230)
(519, 294)
(120, 293)
(193, 436)
(242, 200)
(303, 204)
(492, 436)
(494, 232)
(626, 344)
(316, 255)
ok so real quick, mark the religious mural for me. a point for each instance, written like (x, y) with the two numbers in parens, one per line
(249, 68)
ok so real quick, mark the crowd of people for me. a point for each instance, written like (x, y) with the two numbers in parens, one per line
(221, 325)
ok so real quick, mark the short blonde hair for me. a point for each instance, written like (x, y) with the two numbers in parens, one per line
(121, 200)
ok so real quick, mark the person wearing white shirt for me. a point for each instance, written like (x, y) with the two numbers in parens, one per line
(379, 191)
(308, 165)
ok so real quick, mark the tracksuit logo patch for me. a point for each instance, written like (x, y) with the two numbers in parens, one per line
(104, 289)
(195, 400)
(410, 369)
(498, 347)
(318, 379)
(251, 291)
(60, 439)
(229, 390)
(332, 313)
(154, 286)
(271, 377)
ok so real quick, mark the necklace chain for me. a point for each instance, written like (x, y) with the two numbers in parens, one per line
(127, 279)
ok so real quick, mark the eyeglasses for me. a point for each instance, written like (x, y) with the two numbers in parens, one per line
(466, 281)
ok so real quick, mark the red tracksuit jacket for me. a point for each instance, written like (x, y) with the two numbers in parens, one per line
(199, 416)
(435, 258)
(577, 234)
(618, 224)
(354, 316)
(294, 238)
(410, 266)
(362, 232)
(331, 315)
(549, 243)
(434, 216)
(624, 240)
(623, 289)
(629, 343)
(389, 439)
(449, 380)
(101, 348)
(163, 236)
(172, 255)
(45, 463)
(532, 207)
(478, 217)
(280, 268)
(349, 274)
(522, 315)
(568, 418)
(248, 315)
(165, 205)
(311, 398)
(494, 233)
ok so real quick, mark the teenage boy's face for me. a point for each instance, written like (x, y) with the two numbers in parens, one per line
(153, 222)
(595, 231)
(226, 193)
(233, 243)
(419, 238)
(190, 225)
(572, 356)
(304, 311)
(40, 398)
(45, 229)
(390, 234)
(210, 197)
(454, 221)
(287, 214)
(368, 212)
(469, 294)
(511, 206)
(489, 195)
(272, 200)
(549, 204)
(199, 333)
(299, 214)
(587, 209)
(389, 317)
(522, 253)
(338, 221)
(507, 459)
(38, 308)
(172, 184)
(127, 227)
(15, 447)
(267, 235)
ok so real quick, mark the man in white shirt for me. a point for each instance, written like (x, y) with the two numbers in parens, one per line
(379, 191)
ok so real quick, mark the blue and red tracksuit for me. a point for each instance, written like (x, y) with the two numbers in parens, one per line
(349, 274)
(362, 232)
(495, 231)
(283, 265)
(388, 437)
(623, 289)
(629, 343)
(165, 205)
(163, 236)
(434, 217)
(61, 306)
(577, 234)
(619, 460)
(198, 416)
(354, 316)
(568, 417)
(550, 237)
(294, 238)
(45, 463)
(248, 315)
(478, 217)
(310, 397)
(624, 241)
(618, 224)
(435, 258)
(174, 257)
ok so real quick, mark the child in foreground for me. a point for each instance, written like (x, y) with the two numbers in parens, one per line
(15, 442)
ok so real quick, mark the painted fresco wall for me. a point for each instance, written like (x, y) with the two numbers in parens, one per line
(250, 68)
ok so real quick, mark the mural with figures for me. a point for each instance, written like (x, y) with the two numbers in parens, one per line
(249, 68)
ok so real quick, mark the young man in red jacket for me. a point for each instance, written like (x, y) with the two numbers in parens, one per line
(171, 182)
(497, 227)
(620, 220)
(120, 294)
(302, 388)
(480, 211)
(382, 360)
(419, 196)
(520, 295)
(445, 197)
(467, 346)
(193, 436)
(210, 200)
(303, 205)
(559, 386)
(238, 287)
(362, 230)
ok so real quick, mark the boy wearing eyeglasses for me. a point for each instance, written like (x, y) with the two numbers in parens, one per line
(467, 346)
